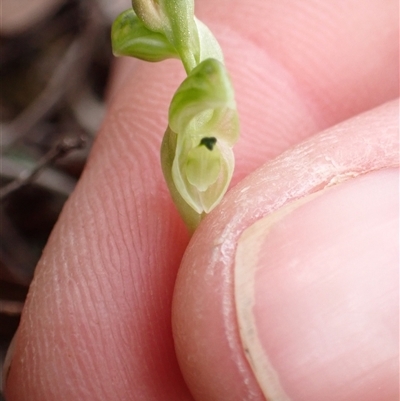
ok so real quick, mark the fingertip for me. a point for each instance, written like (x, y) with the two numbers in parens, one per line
(205, 322)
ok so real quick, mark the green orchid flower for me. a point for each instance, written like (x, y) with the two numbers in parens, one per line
(203, 124)
(196, 154)
(204, 118)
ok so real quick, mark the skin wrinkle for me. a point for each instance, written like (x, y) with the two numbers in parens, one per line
(108, 259)
(114, 331)
(131, 194)
(31, 349)
(101, 312)
(44, 378)
(123, 221)
(81, 295)
(99, 261)
(133, 222)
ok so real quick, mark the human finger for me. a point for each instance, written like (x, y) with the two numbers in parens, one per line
(118, 244)
(289, 289)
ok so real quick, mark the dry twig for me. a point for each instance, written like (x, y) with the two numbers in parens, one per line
(28, 176)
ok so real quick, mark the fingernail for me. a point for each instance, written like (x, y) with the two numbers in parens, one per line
(7, 362)
(316, 292)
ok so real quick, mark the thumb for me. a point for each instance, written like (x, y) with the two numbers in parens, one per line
(289, 290)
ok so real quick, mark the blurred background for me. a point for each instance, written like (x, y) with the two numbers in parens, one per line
(55, 59)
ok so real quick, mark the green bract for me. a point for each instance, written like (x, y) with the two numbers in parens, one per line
(203, 124)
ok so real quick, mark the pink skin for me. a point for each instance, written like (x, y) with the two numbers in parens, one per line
(97, 322)
(330, 319)
(204, 290)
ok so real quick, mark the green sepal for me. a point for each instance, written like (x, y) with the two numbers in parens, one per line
(200, 100)
(130, 37)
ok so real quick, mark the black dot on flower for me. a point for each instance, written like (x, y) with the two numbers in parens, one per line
(209, 142)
